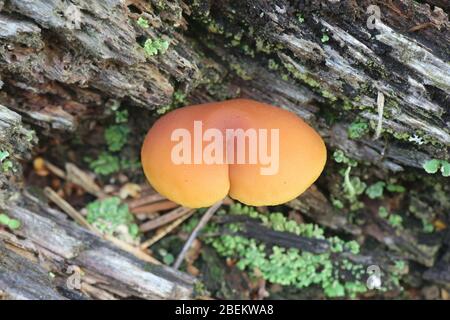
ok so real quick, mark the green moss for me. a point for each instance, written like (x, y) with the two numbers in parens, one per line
(325, 38)
(214, 27)
(3, 155)
(112, 217)
(376, 190)
(291, 267)
(347, 105)
(116, 136)
(302, 76)
(358, 129)
(395, 188)
(340, 157)
(166, 256)
(394, 220)
(427, 226)
(156, 46)
(143, 23)
(178, 100)
(200, 290)
(273, 65)
(300, 18)
(5, 163)
(328, 95)
(9, 222)
(266, 47)
(105, 164)
(432, 166)
(236, 67)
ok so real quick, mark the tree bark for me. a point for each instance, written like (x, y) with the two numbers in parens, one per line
(38, 262)
(64, 62)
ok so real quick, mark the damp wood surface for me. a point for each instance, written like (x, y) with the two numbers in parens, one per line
(64, 63)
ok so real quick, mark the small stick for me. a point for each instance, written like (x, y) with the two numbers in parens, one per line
(380, 106)
(96, 292)
(137, 252)
(154, 197)
(165, 231)
(55, 170)
(203, 221)
(84, 180)
(164, 219)
(155, 207)
(421, 26)
(77, 176)
(67, 208)
(75, 215)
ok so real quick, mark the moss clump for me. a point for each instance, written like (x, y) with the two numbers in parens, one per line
(376, 190)
(432, 166)
(5, 163)
(143, 23)
(112, 217)
(156, 46)
(116, 137)
(325, 38)
(352, 187)
(300, 18)
(241, 72)
(292, 267)
(394, 220)
(178, 100)
(358, 129)
(301, 76)
(9, 222)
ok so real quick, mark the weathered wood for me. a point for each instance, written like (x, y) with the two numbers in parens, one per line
(348, 70)
(48, 244)
(316, 58)
(252, 228)
(316, 206)
(15, 144)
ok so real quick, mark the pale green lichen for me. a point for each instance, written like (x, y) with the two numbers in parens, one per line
(9, 222)
(116, 136)
(432, 166)
(143, 23)
(112, 217)
(357, 129)
(291, 267)
(156, 46)
(5, 163)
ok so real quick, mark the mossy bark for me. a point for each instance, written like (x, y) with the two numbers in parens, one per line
(63, 62)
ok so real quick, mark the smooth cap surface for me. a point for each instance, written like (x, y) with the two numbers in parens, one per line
(301, 155)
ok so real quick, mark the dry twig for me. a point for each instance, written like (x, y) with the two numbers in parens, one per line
(74, 214)
(166, 230)
(203, 221)
(164, 219)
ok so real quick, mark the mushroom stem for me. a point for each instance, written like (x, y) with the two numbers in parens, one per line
(203, 221)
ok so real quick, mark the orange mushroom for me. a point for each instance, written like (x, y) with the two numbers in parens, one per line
(254, 152)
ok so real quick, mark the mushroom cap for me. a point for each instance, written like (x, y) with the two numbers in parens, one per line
(302, 156)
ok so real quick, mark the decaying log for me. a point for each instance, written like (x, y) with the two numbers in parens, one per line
(252, 228)
(316, 206)
(62, 62)
(44, 55)
(35, 260)
(15, 144)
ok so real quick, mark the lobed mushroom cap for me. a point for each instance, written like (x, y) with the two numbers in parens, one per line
(302, 156)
